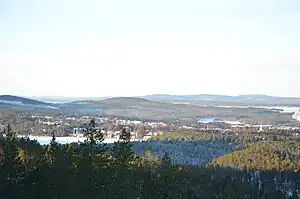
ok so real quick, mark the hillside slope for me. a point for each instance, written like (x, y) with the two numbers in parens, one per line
(208, 99)
(10, 100)
(143, 109)
(133, 107)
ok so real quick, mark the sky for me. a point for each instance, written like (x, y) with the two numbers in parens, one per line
(94, 48)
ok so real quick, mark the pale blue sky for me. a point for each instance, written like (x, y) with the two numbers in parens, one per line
(135, 47)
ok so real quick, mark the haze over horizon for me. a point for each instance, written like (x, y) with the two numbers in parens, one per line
(114, 48)
(192, 94)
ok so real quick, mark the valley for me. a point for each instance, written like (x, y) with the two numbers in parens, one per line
(253, 143)
(142, 109)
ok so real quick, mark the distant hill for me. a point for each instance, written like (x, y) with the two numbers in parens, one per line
(200, 99)
(116, 102)
(124, 101)
(207, 99)
(61, 99)
(16, 99)
(10, 100)
(144, 109)
(151, 110)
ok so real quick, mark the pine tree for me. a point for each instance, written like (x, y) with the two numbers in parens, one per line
(125, 135)
(90, 151)
(10, 135)
(51, 150)
(53, 142)
(166, 160)
(11, 168)
(122, 150)
(94, 135)
(123, 156)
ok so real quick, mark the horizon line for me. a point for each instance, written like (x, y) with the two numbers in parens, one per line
(53, 96)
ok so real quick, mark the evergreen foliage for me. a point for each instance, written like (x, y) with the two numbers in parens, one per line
(89, 170)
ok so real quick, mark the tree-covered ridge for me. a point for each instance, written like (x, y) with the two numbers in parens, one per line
(193, 135)
(264, 156)
(142, 109)
(266, 151)
(93, 170)
(275, 153)
(194, 153)
(240, 139)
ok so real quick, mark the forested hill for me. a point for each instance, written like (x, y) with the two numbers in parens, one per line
(208, 99)
(10, 99)
(92, 170)
(142, 109)
(118, 102)
(132, 107)
(22, 103)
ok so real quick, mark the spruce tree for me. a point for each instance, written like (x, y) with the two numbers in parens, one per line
(9, 133)
(122, 150)
(166, 160)
(94, 136)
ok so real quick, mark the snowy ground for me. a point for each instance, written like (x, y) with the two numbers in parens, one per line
(43, 140)
(296, 115)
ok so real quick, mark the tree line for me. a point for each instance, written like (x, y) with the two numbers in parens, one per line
(92, 170)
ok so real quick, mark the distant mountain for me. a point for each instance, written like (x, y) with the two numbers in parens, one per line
(61, 99)
(18, 100)
(201, 99)
(153, 110)
(207, 99)
(158, 110)
(10, 100)
(125, 101)
(132, 107)
(115, 102)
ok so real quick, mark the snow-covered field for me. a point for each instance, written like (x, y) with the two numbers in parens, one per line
(296, 115)
(43, 140)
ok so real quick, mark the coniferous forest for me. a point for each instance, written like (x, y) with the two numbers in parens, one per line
(256, 168)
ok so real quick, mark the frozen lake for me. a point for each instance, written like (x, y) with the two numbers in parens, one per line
(43, 140)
